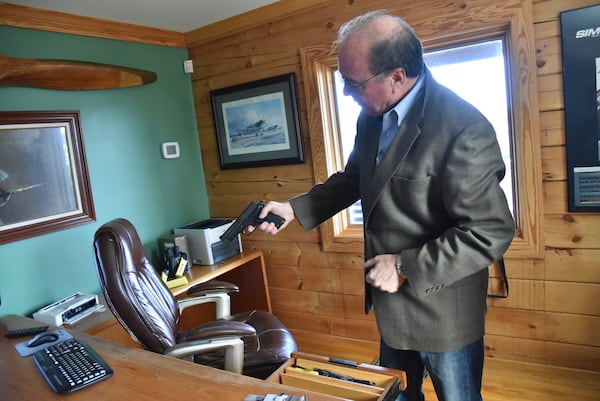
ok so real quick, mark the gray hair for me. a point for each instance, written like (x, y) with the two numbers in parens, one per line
(393, 42)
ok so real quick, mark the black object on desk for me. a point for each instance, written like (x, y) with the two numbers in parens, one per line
(44, 337)
(26, 331)
(71, 365)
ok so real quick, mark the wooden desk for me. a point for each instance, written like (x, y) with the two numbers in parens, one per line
(247, 270)
(139, 375)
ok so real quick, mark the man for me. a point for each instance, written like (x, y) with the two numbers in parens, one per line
(434, 214)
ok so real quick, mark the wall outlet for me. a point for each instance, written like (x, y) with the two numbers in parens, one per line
(188, 66)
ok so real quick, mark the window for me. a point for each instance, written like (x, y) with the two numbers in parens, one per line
(476, 72)
(520, 136)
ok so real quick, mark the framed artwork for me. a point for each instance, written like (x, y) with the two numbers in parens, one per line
(580, 36)
(44, 182)
(257, 123)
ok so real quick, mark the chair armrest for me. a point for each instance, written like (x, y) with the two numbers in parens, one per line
(233, 348)
(222, 301)
(210, 291)
(220, 328)
(223, 334)
(211, 287)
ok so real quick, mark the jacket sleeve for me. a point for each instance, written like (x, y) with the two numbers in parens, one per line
(483, 225)
(326, 199)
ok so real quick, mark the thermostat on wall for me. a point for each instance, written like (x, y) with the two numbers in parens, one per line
(170, 150)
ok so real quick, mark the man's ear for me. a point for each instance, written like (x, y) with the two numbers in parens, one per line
(399, 78)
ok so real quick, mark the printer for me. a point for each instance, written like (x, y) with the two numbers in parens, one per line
(69, 310)
(204, 245)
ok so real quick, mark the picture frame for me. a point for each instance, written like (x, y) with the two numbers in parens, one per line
(257, 123)
(44, 181)
(580, 45)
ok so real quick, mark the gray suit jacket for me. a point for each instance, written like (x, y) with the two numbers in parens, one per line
(436, 199)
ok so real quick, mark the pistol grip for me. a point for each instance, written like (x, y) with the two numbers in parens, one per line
(271, 218)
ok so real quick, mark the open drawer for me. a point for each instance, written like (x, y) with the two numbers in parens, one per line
(357, 382)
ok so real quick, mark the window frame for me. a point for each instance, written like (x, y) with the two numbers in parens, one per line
(319, 64)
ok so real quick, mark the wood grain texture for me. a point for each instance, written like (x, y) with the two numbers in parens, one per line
(138, 375)
(315, 291)
(35, 18)
(537, 323)
(506, 380)
(69, 75)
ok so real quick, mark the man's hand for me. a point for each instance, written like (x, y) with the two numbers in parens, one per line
(283, 209)
(383, 274)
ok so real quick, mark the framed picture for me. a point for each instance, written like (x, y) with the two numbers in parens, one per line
(44, 182)
(257, 123)
(580, 36)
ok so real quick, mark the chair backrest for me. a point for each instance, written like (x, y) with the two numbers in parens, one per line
(135, 294)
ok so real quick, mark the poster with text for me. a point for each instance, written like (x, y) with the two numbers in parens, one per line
(580, 35)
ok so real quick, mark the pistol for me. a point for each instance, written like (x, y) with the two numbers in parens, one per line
(249, 217)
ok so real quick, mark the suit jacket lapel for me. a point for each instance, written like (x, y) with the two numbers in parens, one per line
(370, 142)
(373, 183)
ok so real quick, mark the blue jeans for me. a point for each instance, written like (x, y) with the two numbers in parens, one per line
(456, 375)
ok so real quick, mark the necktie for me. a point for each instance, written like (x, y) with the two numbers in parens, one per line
(389, 127)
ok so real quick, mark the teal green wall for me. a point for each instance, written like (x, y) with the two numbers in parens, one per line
(122, 132)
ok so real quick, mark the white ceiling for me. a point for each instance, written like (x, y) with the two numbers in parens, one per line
(173, 15)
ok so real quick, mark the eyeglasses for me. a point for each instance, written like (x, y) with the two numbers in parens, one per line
(355, 87)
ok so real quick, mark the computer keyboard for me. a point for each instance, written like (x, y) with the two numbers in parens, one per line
(71, 365)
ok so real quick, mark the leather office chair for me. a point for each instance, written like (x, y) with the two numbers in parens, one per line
(254, 343)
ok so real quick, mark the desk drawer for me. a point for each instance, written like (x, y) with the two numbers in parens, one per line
(371, 383)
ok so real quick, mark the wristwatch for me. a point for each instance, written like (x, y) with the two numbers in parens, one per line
(400, 266)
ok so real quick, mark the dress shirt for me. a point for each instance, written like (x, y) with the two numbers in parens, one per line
(393, 118)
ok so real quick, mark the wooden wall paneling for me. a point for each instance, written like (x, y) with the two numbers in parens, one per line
(278, 174)
(279, 253)
(548, 10)
(575, 230)
(291, 179)
(554, 163)
(544, 326)
(282, 181)
(546, 29)
(35, 18)
(570, 297)
(278, 10)
(550, 94)
(358, 329)
(524, 294)
(555, 197)
(348, 348)
(548, 51)
(317, 279)
(231, 205)
(527, 269)
(573, 265)
(319, 303)
(542, 352)
(552, 128)
(344, 278)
